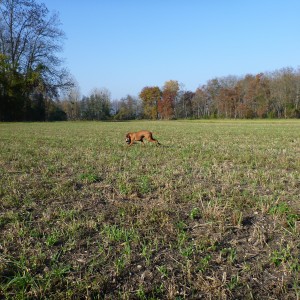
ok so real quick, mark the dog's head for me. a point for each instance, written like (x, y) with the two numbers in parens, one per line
(128, 139)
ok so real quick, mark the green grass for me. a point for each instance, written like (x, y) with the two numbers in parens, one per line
(213, 213)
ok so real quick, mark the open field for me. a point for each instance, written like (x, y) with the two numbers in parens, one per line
(213, 213)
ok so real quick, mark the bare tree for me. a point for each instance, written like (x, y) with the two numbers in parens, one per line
(30, 40)
(71, 102)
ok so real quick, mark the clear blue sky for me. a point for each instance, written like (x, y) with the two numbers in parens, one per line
(125, 45)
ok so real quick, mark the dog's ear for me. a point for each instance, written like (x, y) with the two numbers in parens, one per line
(128, 139)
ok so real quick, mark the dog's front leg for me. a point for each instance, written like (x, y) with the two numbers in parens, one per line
(131, 143)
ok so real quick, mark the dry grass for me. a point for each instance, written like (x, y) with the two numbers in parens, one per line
(214, 213)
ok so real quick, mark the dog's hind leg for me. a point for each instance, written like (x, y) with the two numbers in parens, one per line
(152, 140)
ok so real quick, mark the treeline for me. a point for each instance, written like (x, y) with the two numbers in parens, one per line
(270, 95)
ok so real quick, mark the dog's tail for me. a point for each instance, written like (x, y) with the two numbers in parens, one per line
(155, 132)
(157, 142)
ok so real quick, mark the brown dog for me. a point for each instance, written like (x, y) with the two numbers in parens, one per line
(132, 137)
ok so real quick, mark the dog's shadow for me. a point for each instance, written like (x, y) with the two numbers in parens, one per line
(150, 146)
